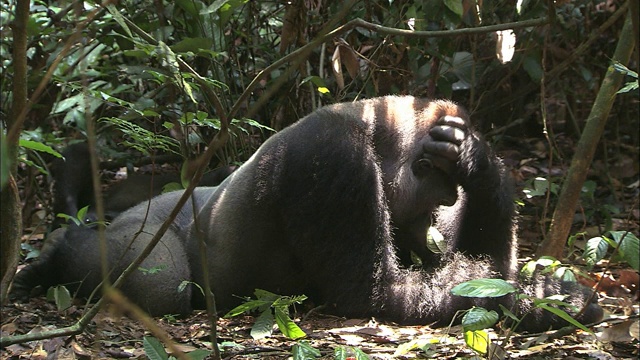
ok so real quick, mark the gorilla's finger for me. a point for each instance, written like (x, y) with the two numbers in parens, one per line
(448, 133)
(455, 121)
(447, 150)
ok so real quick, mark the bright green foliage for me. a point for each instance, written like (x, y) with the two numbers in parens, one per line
(545, 305)
(478, 340)
(549, 265)
(274, 309)
(478, 318)
(304, 351)
(483, 288)
(627, 243)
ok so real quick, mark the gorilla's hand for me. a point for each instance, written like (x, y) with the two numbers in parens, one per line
(471, 162)
(442, 148)
(584, 307)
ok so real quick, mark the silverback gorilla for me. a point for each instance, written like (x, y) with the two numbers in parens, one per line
(330, 207)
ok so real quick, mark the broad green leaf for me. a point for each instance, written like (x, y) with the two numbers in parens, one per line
(154, 349)
(595, 250)
(563, 314)
(190, 7)
(477, 340)
(38, 146)
(263, 326)
(304, 351)
(629, 247)
(455, 6)
(483, 288)
(478, 318)
(62, 297)
(286, 325)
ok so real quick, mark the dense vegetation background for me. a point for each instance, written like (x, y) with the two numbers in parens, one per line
(134, 77)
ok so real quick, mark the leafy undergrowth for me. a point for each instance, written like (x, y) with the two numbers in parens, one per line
(120, 337)
(111, 336)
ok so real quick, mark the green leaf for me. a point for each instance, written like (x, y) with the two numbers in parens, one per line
(477, 340)
(154, 349)
(61, 296)
(38, 146)
(421, 344)
(455, 6)
(247, 307)
(348, 352)
(199, 354)
(340, 353)
(478, 318)
(595, 250)
(563, 314)
(263, 326)
(629, 247)
(506, 312)
(483, 288)
(360, 355)
(286, 301)
(286, 325)
(266, 295)
(192, 44)
(532, 66)
(82, 214)
(304, 351)
(435, 241)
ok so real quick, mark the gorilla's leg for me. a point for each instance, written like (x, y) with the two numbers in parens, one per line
(72, 257)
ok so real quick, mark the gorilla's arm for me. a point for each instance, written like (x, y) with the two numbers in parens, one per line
(481, 221)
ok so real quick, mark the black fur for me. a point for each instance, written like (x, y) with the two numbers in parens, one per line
(73, 186)
(332, 207)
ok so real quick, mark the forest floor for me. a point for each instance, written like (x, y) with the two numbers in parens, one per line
(115, 336)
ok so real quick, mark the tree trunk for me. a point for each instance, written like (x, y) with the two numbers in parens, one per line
(554, 243)
(10, 210)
